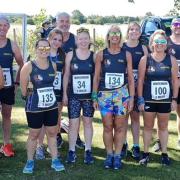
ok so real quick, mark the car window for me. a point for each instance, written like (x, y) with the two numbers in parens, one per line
(150, 27)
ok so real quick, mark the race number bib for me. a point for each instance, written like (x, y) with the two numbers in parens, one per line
(57, 81)
(114, 80)
(160, 90)
(7, 77)
(81, 84)
(46, 97)
(135, 74)
(178, 61)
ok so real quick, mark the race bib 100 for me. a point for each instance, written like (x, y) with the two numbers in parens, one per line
(57, 81)
(7, 77)
(114, 80)
(81, 84)
(46, 97)
(160, 90)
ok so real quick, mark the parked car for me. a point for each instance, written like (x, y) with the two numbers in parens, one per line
(152, 23)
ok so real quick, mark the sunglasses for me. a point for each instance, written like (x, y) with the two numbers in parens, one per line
(160, 41)
(43, 48)
(80, 30)
(114, 34)
(176, 24)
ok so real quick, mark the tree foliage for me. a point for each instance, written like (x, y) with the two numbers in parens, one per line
(176, 10)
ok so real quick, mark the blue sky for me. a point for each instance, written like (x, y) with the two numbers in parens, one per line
(100, 7)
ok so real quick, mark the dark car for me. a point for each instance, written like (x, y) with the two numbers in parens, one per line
(152, 23)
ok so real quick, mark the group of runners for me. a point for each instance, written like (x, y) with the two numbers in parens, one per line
(122, 80)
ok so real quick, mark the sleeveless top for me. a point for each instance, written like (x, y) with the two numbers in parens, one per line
(43, 96)
(70, 44)
(157, 83)
(58, 81)
(174, 50)
(137, 53)
(81, 80)
(113, 70)
(6, 63)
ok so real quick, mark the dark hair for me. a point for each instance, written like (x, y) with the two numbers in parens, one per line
(42, 39)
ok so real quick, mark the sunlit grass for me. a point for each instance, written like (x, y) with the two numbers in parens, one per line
(11, 168)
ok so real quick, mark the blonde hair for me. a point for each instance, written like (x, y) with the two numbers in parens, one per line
(107, 35)
(157, 32)
(129, 27)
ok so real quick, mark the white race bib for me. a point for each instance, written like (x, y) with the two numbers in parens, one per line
(82, 84)
(57, 81)
(7, 77)
(178, 61)
(160, 90)
(46, 97)
(135, 74)
(114, 80)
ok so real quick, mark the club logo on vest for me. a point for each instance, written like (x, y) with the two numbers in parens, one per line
(38, 78)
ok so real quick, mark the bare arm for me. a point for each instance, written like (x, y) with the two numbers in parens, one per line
(175, 84)
(145, 50)
(1, 79)
(98, 60)
(24, 77)
(18, 58)
(130, 74)
(66, 76)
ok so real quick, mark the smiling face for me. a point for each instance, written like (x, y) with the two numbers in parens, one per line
(159, 43)
(83, 40)
(42, 49)
(63, 23)
(175, 27)
(114, 35)
(4, 27)
(55, 41)
(134, 32)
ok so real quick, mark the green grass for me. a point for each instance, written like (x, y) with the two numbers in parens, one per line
(11, 168)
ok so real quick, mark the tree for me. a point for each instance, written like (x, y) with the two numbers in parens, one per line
(176, 10)
(77, 16)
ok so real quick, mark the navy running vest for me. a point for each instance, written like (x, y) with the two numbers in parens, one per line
(174, 50)
(6, 62)
(157, 83)
(113, 70)
(43, 96)
(70, 44)
(137, 53)
(58, 81)
(82, 72)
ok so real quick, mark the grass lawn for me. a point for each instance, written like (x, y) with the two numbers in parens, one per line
(11, 168)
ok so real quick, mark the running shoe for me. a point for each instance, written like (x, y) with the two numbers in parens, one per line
(40, 153)
(29, 167)
(80, 144)
(165, 159)
(57, 165)
(88, 158)
(124, 150)
(71, 158)
(136, 152)
(117, 164)
(145, 159)
(59, 140)
(108, 163)
(7, 150)
(157, 146)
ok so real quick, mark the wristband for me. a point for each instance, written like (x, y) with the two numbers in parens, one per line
(17, 83)
(24, 97)
(140, 101)
(94, 96)
(174, 99)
